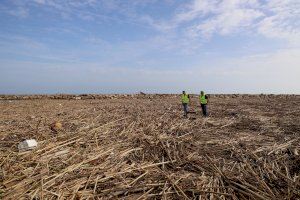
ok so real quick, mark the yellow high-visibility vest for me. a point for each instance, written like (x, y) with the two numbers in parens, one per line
(203, 100)
(185, 98)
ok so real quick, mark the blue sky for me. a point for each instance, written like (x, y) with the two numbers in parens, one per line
(156, 46)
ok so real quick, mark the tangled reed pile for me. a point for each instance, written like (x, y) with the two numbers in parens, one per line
(141, 148)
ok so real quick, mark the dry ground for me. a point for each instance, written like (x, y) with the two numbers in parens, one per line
(140, 147)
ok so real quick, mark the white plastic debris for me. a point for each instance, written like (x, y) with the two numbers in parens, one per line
(27, 145)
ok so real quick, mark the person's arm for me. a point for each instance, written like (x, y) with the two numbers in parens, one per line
(206, 97)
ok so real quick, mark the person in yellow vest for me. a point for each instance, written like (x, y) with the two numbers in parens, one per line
(185, 99)
(203, 102)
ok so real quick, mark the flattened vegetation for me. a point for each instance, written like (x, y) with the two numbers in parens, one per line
(140, 146)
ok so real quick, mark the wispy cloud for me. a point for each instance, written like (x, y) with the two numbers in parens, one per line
(204, 18)
(217, 44)
(197, 18)
(276, 18)
(283, 22)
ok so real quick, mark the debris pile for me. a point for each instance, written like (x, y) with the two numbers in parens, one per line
(143, 150)
(27, 145)
(56, 126)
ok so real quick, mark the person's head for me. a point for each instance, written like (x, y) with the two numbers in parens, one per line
(202, 93)
(183, 92)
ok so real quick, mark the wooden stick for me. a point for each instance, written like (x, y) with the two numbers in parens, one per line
(145, 194)
(95, 187)
(138, 178)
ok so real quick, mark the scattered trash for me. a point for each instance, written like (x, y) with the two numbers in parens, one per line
(27, 145)
(56, 126)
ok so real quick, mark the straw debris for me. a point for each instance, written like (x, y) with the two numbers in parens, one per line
(140, 147)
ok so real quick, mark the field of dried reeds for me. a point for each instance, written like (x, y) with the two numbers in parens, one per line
(141, 147)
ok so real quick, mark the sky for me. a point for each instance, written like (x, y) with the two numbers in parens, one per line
(154, 46)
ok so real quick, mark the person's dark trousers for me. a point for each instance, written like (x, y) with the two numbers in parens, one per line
(185, 109)
(204, 109)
